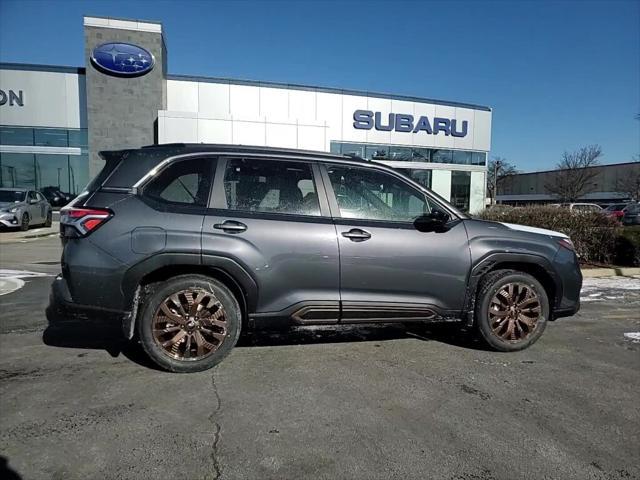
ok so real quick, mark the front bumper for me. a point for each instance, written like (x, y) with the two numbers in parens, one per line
(9, 220)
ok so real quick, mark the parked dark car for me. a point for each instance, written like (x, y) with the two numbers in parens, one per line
(56, 197)
(192, 244)
(632, 214)
(22, 208)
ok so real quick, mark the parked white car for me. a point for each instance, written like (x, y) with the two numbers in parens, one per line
(22, 208)
(580, 207)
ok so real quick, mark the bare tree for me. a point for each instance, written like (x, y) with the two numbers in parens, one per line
(575, 173)
(630, 183)
(497, 170)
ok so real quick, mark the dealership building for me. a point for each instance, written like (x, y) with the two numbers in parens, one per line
(54, 120)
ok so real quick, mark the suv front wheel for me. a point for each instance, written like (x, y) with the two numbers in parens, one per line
(189, 323)
(512, 310)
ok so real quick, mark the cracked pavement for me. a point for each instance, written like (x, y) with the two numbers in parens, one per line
(359, 403)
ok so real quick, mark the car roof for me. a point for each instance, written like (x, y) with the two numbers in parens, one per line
(252, 149)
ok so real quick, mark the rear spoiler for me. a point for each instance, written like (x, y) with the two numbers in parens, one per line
(112, 159)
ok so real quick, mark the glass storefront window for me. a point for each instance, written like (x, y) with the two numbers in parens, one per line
(67, 173)
(442, 156)
(16, 136)
(78, 138)
(52, 171)
(353, 149)
(372, 151)
(50, 137)
(478, 158)
(45, 137)
(421, 155)
(401, 154)
(423, 177)
(461, 157)
(78, 173)
(377, 152)
(460, 190)
(17, 170)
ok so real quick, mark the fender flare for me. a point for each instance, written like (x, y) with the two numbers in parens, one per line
(486, 263)
(231, 269)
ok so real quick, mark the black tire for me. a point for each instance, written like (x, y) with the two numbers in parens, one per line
(493, 283)
(24, 222)
(49, 220)
(158, 294)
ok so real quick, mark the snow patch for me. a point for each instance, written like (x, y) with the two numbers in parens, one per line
(4, 273)
(11, 280)
(633, 336)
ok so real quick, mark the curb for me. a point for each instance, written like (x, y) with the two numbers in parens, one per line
(610, 272)
(43, 234)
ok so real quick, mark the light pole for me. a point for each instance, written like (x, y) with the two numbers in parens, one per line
(496, 167)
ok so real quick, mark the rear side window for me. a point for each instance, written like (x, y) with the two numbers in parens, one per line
(185, 182)
(270, 186)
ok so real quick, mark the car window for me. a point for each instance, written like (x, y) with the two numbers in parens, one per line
(375, 195)
(32, 195)
(634, 208)
(271, 186)
(11, 196)
(185, 182)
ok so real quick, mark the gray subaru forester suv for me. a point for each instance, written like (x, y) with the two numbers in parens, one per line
(191, 244)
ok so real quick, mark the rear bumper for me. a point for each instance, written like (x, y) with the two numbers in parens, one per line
(566, 311)
(60, 300)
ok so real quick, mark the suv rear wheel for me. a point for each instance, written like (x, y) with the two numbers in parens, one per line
(512, 310)
(189, 323)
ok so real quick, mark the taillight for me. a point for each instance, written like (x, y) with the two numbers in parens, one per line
(80, 222)
(566, 243)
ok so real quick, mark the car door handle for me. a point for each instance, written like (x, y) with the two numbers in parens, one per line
(357, 235)
(230, 226)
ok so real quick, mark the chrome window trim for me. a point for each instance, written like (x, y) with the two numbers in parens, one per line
(155, 170)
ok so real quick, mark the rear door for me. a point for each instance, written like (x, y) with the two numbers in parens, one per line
(388, 268)
(271, 216)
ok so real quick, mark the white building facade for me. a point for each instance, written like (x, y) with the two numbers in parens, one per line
(441, 144)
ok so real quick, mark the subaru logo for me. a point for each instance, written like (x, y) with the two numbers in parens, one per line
(122, 59)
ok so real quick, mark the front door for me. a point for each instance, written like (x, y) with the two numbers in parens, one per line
(272, 218)
(388, 268)
(35, 213)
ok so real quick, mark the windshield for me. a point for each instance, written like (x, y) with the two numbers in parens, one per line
(615, 208)
(7, 196)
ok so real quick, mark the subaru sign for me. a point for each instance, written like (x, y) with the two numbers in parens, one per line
(399, 122)
(122, 59)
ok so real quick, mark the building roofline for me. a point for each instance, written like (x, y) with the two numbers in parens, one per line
(563, 169)
(123, 19)
(33, 67)
(342, 91)
(255, 83)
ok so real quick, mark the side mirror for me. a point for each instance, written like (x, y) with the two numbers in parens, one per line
(435, 221)
(32, 201)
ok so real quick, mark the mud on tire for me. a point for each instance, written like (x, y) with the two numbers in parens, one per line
(189, 323)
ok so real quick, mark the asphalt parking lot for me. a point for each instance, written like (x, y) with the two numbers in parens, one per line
(354, 403)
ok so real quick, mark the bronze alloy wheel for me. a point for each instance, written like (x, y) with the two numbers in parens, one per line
(514, 312)
(190, 324)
